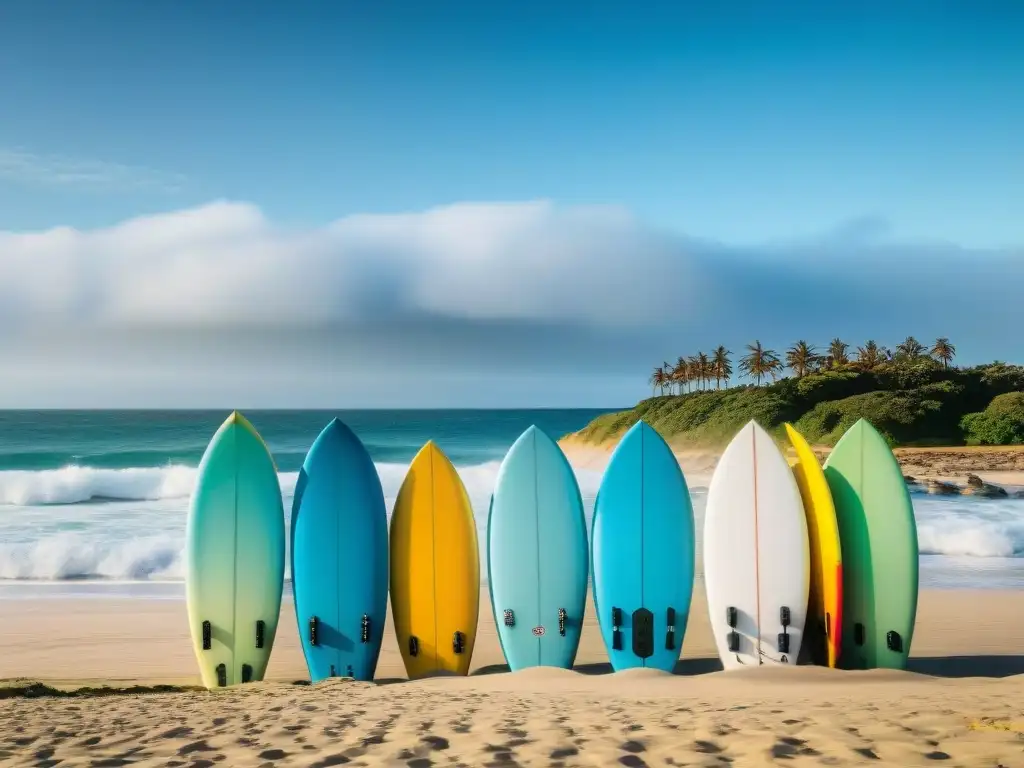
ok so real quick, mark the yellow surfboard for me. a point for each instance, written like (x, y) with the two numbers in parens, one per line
(823, 635)
(435, 568)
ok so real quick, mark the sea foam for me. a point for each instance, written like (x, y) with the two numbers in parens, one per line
(78, 522)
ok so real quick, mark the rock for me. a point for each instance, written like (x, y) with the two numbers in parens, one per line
(940, 488)
(973, 481)
(986, 491)
(910, 479)
(1019, 495)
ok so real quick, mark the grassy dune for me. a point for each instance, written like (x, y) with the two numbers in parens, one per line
(917, 403)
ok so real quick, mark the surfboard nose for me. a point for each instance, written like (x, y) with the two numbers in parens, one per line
(237, 419)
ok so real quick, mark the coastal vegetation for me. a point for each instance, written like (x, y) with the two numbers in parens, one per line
(913, 394)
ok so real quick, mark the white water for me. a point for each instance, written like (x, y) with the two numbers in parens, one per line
(129, 524)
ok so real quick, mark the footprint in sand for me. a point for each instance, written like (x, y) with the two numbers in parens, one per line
(788, 747)
(273, 754)
(436, 742)
(329, 761)
(707, 747)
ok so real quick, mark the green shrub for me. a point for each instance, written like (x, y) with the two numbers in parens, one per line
(1002, 423)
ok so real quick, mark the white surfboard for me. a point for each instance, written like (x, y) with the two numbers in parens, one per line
(756, 556)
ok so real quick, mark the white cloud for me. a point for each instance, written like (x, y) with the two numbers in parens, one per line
(224, 264)
(22, 166)
(217, 303)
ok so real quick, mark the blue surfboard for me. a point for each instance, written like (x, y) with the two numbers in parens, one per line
(537, 555)
(339, 557)
(643, 553)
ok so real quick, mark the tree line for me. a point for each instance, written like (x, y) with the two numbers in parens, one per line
(698, 371)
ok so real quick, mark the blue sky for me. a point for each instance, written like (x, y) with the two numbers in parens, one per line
(748, 132)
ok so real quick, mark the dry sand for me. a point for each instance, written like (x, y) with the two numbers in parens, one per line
(962, 703)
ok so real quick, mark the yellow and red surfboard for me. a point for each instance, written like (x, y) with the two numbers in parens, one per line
(824, 634)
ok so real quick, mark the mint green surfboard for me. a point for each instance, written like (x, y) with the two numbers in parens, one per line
(234, 548)
(878, 536)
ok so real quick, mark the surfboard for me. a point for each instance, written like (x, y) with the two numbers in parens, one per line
(234, 550)
(878, 533)
(642, 553)
(756, 555)
(823, 632)
(537, 554)
(435, 568)
(339, 557)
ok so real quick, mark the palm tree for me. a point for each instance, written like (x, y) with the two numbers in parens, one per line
(704, 365)
(759, 362)
(721, 365)
(870, 355)
(695, 371)
(837, 351)
(943, 351)
(657, 379)
(801, 357)
(910, 348)
(680, 373)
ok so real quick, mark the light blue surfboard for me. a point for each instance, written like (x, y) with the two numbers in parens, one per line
(537, 555)
(339, 557)
(643, 553)
(234, 550)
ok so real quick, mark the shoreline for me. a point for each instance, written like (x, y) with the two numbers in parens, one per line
(997, 465)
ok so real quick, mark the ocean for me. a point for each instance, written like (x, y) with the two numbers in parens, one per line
(94, 503)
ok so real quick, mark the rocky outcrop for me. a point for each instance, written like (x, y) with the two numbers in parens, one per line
(975, 487)
(939, 488)
(978, 487)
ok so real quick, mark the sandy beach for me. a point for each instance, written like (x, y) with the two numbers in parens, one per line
(103, 680)
(958, 703)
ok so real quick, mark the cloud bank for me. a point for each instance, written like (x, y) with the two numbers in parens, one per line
(531, 287)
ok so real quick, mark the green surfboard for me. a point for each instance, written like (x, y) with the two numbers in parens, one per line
(878, 536)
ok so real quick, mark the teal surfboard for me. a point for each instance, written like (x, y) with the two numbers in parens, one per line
(234, 550)
(339, 557)
(643, 551)
(537, 555)
(878, 537)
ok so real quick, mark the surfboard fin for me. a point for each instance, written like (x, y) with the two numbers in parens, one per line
(561, 621)
(643, 633)
(259, 633)
(246, 673)
(207, 636)
(314, 626)
(414, 645)
(365, 628)
(784, 635)
(670, 632)
(893, 641)
(459, 642)
(733, 638)
(222, 675)
(617, 629)
(510, 618)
